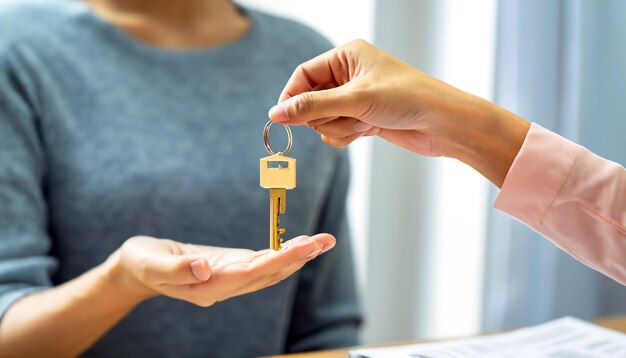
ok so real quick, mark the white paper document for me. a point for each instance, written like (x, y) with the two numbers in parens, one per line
(562, 338)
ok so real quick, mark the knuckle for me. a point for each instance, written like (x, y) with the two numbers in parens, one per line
(364, 92)
(329, 141)
(303, 103)
(300, 68)
(143, 270)
(137, 238)
(364, 100)
(359, 43)
(300, 250)
(339, 143)
(131, 241)
(134, 242)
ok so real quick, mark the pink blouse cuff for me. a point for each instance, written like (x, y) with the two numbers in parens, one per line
(536, 175)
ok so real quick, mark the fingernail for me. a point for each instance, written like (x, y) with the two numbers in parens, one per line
(361, 126)
(199, 269)
(278, 113)
(327, 247)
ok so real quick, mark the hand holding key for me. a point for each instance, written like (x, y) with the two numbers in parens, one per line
(357, 89)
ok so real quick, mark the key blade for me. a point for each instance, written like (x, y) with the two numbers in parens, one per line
(278, 199)
(274, 225)
(280, 195)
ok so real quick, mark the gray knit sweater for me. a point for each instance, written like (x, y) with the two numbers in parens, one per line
(103, 137)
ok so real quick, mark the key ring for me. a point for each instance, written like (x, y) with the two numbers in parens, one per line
(266, 139)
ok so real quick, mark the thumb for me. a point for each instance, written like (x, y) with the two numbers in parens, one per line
(176, 270)
(309, 106)
(200, 269)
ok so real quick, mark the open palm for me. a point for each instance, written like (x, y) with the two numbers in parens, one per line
(204, 275)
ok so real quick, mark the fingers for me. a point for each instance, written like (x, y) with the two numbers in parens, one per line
(318, 122)
(342, 127)
(331, 69)
(412, 140)
(296, 253)
(340, 132)
(311, 75)
(372, 131)
(335, 84)
(247, 271)
(311, 244)
(301, 248)
(341, 142)
(309, 106)
(302, 81)
(270, 280)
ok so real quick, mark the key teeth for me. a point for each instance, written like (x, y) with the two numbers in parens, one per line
(280, 232)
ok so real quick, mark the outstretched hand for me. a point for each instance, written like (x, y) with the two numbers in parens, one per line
(204, 275)
(357, 89)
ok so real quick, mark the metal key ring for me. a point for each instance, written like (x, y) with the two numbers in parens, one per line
(266, 139)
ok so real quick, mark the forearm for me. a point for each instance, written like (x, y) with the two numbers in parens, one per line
(487, 138)
(68, 319)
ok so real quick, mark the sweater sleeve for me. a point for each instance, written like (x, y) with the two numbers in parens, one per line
(571, 196)
(24, 242)
(326, 311)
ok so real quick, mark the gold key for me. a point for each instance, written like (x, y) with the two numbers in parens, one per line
(277, 173)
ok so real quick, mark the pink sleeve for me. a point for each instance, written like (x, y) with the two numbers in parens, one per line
(571, 196)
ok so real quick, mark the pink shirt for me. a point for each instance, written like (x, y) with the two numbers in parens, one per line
(571, 196)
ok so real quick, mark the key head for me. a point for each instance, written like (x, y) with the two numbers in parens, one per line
(278, 171)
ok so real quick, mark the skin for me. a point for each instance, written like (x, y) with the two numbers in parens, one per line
(357, 89)
(67, 319)
(144, 267)
(187, 25)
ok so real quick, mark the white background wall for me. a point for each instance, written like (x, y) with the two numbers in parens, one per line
(418, 224)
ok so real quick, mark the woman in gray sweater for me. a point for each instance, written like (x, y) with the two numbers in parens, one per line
(121, 118)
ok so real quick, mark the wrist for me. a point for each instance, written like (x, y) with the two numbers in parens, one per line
(121, 284)
(488, 139)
